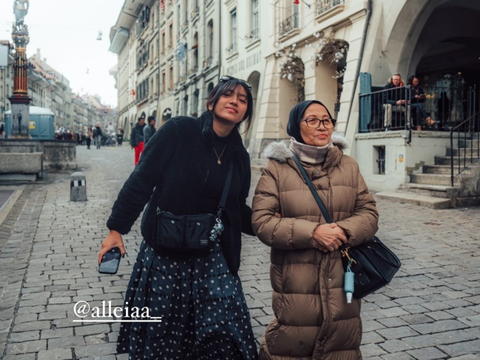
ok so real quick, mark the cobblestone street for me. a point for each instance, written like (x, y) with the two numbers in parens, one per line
(48, 262)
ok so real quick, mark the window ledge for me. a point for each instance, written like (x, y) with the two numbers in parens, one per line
(289, 34)
(329, 13)
(141, 102)
(253, 44)
(232, 57)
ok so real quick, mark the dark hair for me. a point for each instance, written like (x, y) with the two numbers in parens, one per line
(150, 118)
(224, 87)
(410, 79)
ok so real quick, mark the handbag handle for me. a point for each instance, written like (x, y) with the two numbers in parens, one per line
(324, 211)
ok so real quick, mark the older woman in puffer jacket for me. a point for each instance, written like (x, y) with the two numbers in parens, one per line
(312, 317)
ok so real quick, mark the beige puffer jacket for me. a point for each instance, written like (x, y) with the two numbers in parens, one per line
(312, 318)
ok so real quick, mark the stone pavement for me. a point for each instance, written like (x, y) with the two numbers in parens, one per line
(48, 252)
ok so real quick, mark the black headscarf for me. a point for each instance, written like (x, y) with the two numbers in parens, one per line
(293, 127)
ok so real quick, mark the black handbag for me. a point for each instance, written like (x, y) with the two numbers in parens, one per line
(190, 233)
(372, 262)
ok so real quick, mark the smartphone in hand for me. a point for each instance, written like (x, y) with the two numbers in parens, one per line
(110, 261)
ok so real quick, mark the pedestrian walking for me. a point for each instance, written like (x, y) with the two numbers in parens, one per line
(98, 136)
(313, 316)
(89, 136)
(136, 138)
(149, 129)
(120, 137)
(198, 296)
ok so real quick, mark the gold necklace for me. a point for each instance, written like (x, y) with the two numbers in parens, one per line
(219, 162)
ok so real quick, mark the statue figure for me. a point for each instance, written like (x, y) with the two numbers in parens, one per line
(20, 9)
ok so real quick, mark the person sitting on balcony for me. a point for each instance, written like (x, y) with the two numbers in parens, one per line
(394, 99)
(419, 114)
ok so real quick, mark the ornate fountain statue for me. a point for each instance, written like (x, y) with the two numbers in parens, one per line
(20, 100)
(20, 9)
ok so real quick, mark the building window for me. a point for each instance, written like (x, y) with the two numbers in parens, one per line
(143, 19)
(164, 82)
(233, 38)
(195, 53)
(195, 102)
(254, 33)
(210, 42)
(324, 5)
(163, 42)
(185, 104)
(291, 19)
(179, 20)
(187, 62)
(185, 14)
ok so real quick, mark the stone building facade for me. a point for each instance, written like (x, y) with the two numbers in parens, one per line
(50, 89)
(316, 49)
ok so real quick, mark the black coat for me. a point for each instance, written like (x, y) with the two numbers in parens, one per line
(148, 132)
(396, 93)
(137, 134)
(175, 163)
(417, 91)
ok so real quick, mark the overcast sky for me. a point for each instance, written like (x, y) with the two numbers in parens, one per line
(66, 33)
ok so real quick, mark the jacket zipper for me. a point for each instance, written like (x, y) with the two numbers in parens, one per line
(326, 319)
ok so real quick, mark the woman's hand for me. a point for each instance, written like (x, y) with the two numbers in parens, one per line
(329, 236)
(113, 239)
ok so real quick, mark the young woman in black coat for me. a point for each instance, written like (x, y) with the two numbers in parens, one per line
(199, 297)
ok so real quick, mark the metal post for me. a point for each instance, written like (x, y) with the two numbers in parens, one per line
(4, 93)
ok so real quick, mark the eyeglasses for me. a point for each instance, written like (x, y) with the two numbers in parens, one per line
(315, 123)
(228, 78)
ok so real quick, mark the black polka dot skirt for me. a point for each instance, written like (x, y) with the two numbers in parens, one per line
(198, 305)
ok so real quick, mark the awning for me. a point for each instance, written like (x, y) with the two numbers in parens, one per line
(119, 40)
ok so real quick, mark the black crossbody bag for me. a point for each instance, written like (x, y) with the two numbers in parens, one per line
(191, 233)
(372, 262)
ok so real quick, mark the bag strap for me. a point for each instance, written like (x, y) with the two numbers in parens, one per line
(320, 203)
(226, 187)
(223, 198)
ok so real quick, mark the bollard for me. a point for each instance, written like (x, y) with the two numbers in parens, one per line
(78, 187)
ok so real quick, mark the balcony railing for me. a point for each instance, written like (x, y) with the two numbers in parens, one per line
(290, 23)
(252, 35)
(195, 12)
(208, 62)
(324, 5)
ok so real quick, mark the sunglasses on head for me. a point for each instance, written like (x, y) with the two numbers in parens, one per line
(228, 78)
